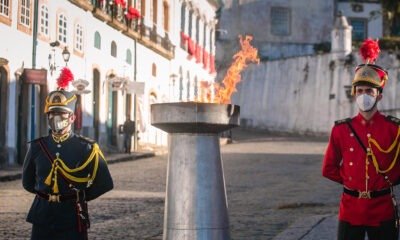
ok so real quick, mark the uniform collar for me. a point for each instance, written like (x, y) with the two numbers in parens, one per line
(63, 138)
(376, 117)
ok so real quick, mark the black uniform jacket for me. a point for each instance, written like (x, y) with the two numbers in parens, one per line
(73, 152)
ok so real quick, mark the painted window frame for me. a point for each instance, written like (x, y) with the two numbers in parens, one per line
(128, 56)
(97, 40)
(25, 16)
(6, 6)
(44, 29)
(25, 13)
(166, 13)
(281, 21)
(79, 38)
(62, 31)
(114, 49)
(354, 30)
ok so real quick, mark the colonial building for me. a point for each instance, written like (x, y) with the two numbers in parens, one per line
(296, 90)
(290, 28)
(125, 55)
(365, 17)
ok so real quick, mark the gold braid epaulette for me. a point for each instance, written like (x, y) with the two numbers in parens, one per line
(59, 166)
(395, 144)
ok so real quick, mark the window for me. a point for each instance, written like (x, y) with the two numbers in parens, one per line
(211, 40)
(5, 8)
(166, 16)
(97, 40)
(280, 21)
(62, 29)
(25, 13)
(44, 20)
(204, 35)
(190, 22)
(113, 49)
(154, 12)
(183, 16)
(197, 30)
(142, 8)
(153, 70)
(359, 25)
(129, 56)
(79, 37)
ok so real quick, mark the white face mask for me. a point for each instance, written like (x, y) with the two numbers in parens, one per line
(365, 102)
(58, 123)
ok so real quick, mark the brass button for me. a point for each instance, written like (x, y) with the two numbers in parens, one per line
(351, 149)
(369, 135)
(351, 163)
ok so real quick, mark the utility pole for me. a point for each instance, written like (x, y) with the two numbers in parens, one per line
(34, 46)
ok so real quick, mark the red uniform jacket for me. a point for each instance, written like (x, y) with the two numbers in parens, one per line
(345, 163)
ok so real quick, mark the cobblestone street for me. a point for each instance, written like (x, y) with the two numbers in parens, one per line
(271, 181)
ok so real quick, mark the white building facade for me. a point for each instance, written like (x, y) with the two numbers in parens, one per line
(165, 46)
(365, 17)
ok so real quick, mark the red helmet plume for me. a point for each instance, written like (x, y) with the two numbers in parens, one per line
(65, 78)
(369, 50)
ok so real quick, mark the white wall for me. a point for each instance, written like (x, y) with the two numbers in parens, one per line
(375, 27)
(285, 96)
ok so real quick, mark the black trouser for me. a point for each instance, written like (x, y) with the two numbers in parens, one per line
(386, 231)
(47, 233)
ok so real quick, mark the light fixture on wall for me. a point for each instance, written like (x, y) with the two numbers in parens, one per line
(173, 77)
(117, 83)
(80, 86)
(66, 55)
(52, 56)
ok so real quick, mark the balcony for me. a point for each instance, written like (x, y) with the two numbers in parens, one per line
(115, 16)
(84, 4)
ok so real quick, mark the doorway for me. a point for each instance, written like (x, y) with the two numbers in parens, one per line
(96, 104)
(112, 117)
(3, 112)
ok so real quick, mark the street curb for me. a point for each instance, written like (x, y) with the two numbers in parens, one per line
(301, 228)
(12, 175)
(130, 158)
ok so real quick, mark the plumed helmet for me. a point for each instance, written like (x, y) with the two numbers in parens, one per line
(369, 73)
(61, 100)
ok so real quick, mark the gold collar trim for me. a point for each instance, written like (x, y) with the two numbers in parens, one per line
(62, 138)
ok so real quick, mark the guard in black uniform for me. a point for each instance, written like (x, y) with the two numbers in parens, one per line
(65, 171)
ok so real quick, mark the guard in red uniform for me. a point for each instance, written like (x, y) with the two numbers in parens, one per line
(363, 156)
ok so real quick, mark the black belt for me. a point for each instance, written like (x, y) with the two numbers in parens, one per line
(366, 194)
(56, 197)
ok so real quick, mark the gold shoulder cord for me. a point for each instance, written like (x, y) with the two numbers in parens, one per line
(59, 166)
(394, 144)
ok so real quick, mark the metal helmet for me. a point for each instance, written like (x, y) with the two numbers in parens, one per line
(61, 100)
(369, 73)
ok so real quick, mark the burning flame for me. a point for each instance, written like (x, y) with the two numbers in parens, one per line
(246, 55)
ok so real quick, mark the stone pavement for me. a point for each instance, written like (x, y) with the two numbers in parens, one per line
(317, 227)
(312, 227)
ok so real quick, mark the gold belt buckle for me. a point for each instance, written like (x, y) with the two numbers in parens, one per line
(54, 198)
(364, 194)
